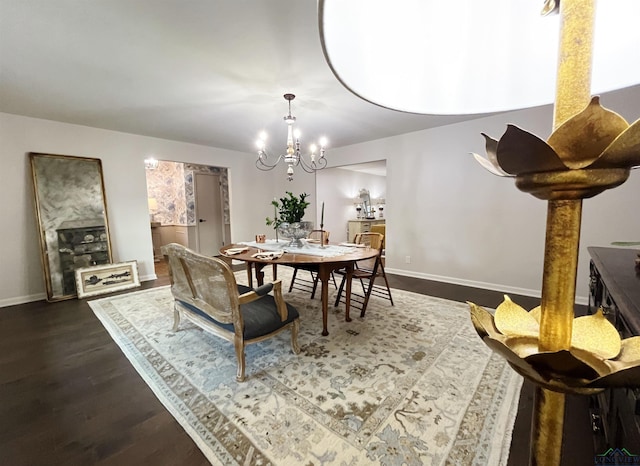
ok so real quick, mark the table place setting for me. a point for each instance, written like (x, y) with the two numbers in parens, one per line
(311, 248)
(269, 255)
(234, 251)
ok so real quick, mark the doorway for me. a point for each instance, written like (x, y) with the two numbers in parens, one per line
(339, 187)
(208, 203)
(180, 195)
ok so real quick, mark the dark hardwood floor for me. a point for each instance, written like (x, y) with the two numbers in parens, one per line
(68, 395)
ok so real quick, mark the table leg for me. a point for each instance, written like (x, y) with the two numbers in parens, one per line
(249, 275)
(275, 272)
(324, 272)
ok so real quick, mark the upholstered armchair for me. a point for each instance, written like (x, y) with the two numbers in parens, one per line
(206, 293)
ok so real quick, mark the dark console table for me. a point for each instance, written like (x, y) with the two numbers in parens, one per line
(615, 286)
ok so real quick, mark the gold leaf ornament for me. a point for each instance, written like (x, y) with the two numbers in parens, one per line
(597, 359)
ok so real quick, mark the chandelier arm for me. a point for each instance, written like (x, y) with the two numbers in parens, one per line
(311, 167)
(262, 164)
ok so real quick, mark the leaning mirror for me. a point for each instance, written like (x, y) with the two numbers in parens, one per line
(72, 218)
(366, 203)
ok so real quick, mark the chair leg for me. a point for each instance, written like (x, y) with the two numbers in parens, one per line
(314, 279)
(295, 328)
(384, 275)
(372, 279)
(367, 295)
(344, 278)
(293, 279)
(239, 346)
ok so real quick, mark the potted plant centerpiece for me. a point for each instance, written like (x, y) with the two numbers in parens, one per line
(288, 219)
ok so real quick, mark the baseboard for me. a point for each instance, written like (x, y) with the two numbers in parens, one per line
(42, 296)
(22, 299)
(582, 300)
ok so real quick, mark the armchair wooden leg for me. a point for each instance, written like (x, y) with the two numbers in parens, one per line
(295, 328)
(239, 346)
(176, 318)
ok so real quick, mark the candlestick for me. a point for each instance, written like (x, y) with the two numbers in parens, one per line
(322, 215)
(275, 218)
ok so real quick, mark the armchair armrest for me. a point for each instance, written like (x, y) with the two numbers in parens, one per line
(258, 293)
(264, 289)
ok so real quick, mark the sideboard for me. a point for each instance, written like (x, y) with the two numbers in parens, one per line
(615, 287)
(361, 226)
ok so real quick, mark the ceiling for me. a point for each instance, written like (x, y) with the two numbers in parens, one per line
(209, 72)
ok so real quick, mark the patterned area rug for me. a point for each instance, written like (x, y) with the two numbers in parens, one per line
(409, 384)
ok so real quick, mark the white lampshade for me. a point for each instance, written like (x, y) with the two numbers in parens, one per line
(153, 203)
(467, 56)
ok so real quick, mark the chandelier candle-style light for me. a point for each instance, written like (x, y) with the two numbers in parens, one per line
(292, 157)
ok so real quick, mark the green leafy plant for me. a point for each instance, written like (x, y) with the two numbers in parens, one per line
(290, 209)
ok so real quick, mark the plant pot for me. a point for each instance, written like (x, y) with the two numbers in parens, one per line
(295, 232)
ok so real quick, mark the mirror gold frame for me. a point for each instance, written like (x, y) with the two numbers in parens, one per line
(71, 212)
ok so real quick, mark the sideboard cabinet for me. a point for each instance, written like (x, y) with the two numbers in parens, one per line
(615, 287)
(361, 226)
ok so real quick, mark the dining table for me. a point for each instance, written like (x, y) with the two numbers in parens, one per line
(327, 258)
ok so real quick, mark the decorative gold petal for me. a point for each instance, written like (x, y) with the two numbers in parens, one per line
(482, 320)
(523, 346)
(630, 350)
(629, 377)
(487, 165)
(522, 152)
(536, 313)
(511, 319)
(491, 146)
(519, 364)
(595, 334)
(561, 364)
(624, 151)
(491, 161)
(550, 6)
(602, 367)
(580, 140)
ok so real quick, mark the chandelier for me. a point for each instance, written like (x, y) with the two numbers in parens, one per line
(293, 157)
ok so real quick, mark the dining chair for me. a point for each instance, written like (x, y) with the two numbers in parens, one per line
(381, 229)
(310, 284)
(205, 292)
(366, 271)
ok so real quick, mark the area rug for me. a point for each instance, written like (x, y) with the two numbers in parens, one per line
(408, 384)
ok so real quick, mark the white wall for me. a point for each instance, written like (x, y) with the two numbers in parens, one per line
(460, 224)
(125, 184)
(457, 222)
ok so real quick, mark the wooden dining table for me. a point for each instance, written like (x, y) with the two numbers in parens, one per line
(292, 258)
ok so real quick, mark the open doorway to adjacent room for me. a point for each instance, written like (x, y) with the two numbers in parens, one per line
(340, 187)
(189, 205)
